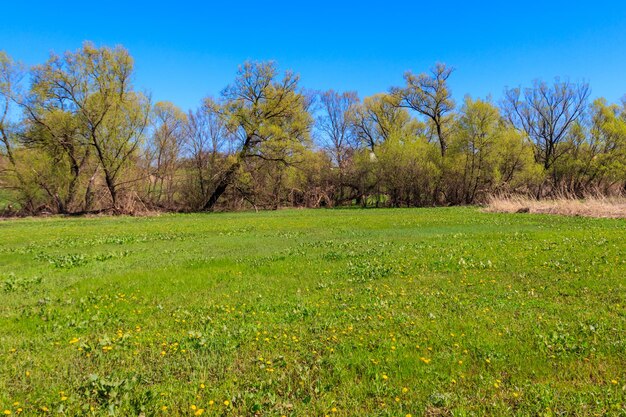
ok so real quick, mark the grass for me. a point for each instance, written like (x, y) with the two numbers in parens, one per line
(592, 206)
(447, 311)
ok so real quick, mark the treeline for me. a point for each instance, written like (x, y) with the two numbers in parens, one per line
(77, 137)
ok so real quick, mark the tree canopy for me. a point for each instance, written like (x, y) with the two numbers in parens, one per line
(77, 137)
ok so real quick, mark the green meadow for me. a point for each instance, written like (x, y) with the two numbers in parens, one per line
(381, 312)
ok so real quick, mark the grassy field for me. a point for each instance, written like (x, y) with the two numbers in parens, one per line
(446, 311)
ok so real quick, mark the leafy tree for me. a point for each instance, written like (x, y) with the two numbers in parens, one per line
(379, 118)
(596, 157)
(408, 171)
(269, 117)
(429, 95)
(10, 81)
(83, 102)
(486, 155)
(10, 77)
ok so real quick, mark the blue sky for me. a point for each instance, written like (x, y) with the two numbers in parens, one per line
(185, 51)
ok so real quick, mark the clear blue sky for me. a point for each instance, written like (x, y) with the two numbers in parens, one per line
(185, 51)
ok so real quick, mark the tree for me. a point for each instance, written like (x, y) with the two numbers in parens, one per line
(598, 159)
(335, 123)
(10, 79)
(546, 113)
(429, 95)
(10, 76)
(163, 152)
(379, 117)
(268, 116)
(379, 120)
(338, 133)
(207, 146)
(485, 154)
(52, 127)
(83, 102)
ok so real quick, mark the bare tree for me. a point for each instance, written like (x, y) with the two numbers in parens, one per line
(339, 138)
(335, 123)
(429, 95)
(207, 144)
(546, 113)
(163, 150)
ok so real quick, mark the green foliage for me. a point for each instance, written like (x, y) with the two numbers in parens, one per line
(89, 142)
(269, 113)
(82, 111)
(409, 168)
(487, 156)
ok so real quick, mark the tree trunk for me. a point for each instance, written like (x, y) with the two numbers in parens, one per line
(111, 186)
(226, 180)
(228, 176)
(442, 139)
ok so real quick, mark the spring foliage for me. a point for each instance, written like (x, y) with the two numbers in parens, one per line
(78, 137)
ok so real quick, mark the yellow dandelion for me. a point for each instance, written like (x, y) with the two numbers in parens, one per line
(405, 390)
(199, 412)
(226, 403)
(164, 408)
